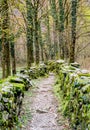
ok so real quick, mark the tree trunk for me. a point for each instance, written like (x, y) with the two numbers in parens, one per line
(13, 57)
(36, 35)
(67, 32)
(40, 40)
(30, 55)
(73, 31)
(48, 34)
(0, 37)
(61, 28)
(55, 24)
(5, 40)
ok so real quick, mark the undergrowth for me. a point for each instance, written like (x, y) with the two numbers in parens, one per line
(25, 115)
(61, 106)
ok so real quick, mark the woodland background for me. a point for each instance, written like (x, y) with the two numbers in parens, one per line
(39, 30)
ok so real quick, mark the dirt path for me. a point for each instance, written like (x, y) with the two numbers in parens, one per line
(43, 107)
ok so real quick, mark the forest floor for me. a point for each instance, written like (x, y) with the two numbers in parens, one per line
(40, 108)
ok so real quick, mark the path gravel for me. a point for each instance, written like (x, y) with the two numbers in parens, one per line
(43, 107)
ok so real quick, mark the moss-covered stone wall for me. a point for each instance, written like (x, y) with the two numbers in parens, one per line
(74, 84)
(12, 93)
(11, 96)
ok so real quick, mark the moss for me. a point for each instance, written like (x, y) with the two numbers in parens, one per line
(1, 81)
(86, 88)
(16, 80)
(11, 95)
(75, 89)
(80, 82)
(85, 75)
(19, 86)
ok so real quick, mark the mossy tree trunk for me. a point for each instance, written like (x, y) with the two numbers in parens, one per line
(5, 39)
(29, 35)
(67, 31)
(36, 33)
(0, 38)
(13, 55)
(61, 27)
(40, 41)
(48, 33)
(73, 30)
(55, 18)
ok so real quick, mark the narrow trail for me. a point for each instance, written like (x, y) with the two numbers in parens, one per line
(43, 107)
